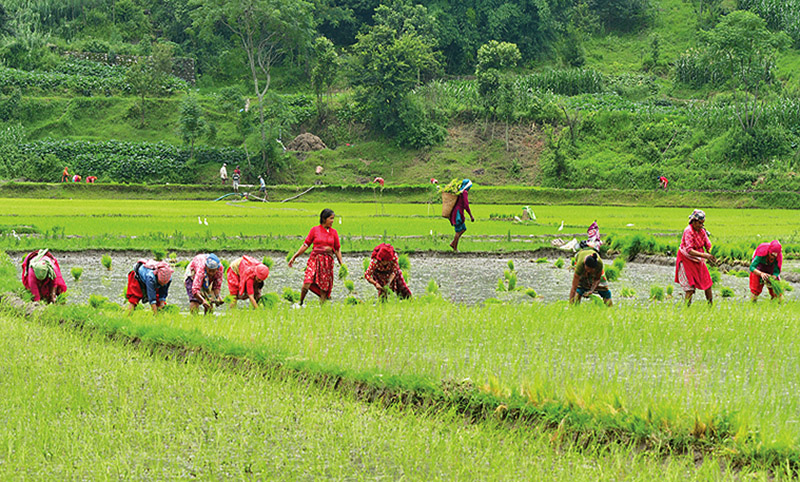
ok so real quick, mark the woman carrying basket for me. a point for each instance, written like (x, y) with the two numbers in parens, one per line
(457, 218)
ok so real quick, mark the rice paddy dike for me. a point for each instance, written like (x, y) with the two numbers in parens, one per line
(700, 392)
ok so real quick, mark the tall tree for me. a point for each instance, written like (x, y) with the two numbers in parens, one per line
(494, 84)
(326, 64)
(267, 30)
(192, 124)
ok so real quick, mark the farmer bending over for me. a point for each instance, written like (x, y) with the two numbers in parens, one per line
(589, 278)
(766, 266)
(149, 280)
(246, 279)
(203, 282)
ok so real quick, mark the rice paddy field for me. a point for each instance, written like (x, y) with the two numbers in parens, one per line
(507, 386)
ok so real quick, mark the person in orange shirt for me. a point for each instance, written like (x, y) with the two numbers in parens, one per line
(65, 175)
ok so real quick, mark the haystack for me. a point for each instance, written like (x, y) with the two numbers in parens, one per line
(306, 142)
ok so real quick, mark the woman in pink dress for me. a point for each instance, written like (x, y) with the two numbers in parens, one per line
(691, 271)
(319, 269)
(41, 275)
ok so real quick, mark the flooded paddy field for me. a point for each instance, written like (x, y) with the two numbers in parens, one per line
(463, 279)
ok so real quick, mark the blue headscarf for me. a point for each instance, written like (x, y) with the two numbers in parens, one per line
(212, 261)
(465, 185)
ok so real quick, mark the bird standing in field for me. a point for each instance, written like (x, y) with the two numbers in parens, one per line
(562, 226)
(198, 220)
(205, 221)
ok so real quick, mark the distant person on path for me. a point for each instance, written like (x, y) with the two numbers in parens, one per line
(149, 281)
(246, 276)
(766, 266)
(691, 271)
(384, 272)
(589, 277)
(223, 173)
(319, 269)
(457, 218)
(41, 275)
(236, 176)
(663, 180)
(65, 175)
(203, 281)
(262, 188)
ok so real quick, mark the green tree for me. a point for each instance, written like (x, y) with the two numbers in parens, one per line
(323, 74)
(390, 59)
(140, 77)
(192, 123)
(495, 85)
(267, 30)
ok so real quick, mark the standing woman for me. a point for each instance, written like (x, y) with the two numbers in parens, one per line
(203, 281)
(766, 265)
(457, 218)
(41, 275)
(691, 271)
(319, 269)
(384, 272)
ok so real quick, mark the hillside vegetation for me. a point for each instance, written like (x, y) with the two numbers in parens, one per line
(554, 93)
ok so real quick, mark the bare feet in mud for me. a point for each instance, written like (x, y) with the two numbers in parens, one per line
(455, 249)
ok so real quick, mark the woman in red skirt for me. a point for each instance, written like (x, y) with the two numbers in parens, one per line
(691, 271)
(384, 272)
(319, 269)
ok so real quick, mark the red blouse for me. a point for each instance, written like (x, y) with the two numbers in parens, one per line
(322, 238)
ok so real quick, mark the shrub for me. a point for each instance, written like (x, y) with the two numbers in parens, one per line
(106, 261)
(76, 273)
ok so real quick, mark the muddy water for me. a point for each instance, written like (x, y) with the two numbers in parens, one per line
(462, 279)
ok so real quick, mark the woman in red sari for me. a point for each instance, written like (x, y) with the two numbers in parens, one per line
(384, 272)
(319, 269)
(691, 271)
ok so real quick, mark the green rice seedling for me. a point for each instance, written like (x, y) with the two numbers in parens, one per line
(779, 287)
(501, 285)
(511, 264)
(225, 264)
(365, 264)
(291, 295)
(612, 274)
(531, 292)
(289, 256)
(670, 290)
(726, 292)
(170, 309)
(76, 273)
(101, 302)
(715, 274)
(432, 288)
(343, 272)
(106, 261)
(512, 281)
(559, 263)
(404, 261)
(492, 301)
(61, 298)
(182, 264)
(158, 255)
(352, 300)
(619, 263)
(542, 261)
(656, 293)
(349, 285)
(172, 257)
(627, 292)
(452, 187)
(269, 300)
(268, 262)
(506, 274)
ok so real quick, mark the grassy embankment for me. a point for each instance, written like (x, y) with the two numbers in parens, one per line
(370, 193)
(78, 406)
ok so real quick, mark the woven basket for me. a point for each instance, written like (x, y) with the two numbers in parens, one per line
(448, 203)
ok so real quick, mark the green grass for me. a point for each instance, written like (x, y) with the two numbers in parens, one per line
(78, 407)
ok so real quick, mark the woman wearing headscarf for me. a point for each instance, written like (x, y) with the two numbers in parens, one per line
(691, 271)
(41, 275)
(384, 272)
(319, 269)
(457, 218)
(203, 281)
(766, 265)
(149, 281)
(246, 277)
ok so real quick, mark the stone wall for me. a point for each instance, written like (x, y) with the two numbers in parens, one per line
(182, 67)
